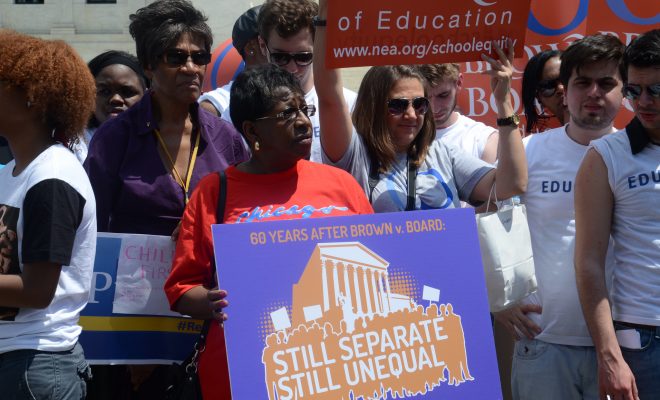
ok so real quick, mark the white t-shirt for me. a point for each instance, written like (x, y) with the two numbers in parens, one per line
(467, 134)
(311, 98)
(446, 176)
(219, 97)
(635, 183)
(553, 160)
(47, 214)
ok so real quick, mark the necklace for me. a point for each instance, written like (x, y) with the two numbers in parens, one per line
(185, 185)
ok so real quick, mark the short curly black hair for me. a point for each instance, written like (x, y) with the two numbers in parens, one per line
(158, 27)
(55, 80)
(254, 92)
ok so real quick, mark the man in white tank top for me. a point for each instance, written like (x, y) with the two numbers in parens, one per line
(618, 195)
(554, 357)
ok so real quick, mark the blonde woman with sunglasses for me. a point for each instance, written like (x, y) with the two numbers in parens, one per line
(388, 143)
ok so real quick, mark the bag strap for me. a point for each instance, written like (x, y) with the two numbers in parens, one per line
(373, 177)
(412, 188)
(222, 198)
(220, 212)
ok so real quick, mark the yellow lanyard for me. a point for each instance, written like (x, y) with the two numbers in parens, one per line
(184, 185)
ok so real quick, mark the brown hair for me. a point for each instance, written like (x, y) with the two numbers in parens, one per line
(371, 108)
(436, 74)
(287, 17)
(589, 50)
(55, 79)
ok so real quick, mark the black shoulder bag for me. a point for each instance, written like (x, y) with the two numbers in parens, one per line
(184, 376)
(374, 177)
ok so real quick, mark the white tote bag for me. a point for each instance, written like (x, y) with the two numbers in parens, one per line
(506, 253)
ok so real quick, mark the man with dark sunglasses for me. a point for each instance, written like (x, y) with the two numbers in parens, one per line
(617, 195)
(474, 137)
(286, 36)
(554, 357)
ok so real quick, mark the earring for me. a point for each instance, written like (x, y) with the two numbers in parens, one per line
(256, 146)
(251, 52)
(29, 104)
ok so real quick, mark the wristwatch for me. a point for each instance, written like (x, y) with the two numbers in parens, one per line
(316, 21)
(512, 120)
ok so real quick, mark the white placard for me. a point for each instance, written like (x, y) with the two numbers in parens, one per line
(280, 318)
(431, 294)
(143, 266)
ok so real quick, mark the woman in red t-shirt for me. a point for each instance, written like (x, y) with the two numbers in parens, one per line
(268, 107)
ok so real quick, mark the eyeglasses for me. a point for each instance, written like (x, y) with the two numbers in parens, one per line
(179, 58)
(633, 92)
(400, 106)
(281, 58)
(548, 87)
(291, 113)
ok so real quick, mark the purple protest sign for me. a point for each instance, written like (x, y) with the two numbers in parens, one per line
(373, 306)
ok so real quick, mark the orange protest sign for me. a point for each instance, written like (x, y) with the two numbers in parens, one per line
(366, 32)
(548, 29)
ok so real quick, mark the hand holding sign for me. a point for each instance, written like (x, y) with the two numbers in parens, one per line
(501, 72)
(217, 303)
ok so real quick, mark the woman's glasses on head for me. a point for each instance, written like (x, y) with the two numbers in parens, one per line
(633, 92)
(291, 113)
(400, 106)
(179, 58)
(281, 58)
(548, 87)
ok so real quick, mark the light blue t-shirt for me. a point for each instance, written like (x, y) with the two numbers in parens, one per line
(447, 176)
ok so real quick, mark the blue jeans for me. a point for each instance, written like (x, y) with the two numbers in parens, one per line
(644, 362)
(548, 371)
(36, 375)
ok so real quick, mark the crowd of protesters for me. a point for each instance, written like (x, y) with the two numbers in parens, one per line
(130, 144)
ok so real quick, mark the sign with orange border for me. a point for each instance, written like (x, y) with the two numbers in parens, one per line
(366, 32)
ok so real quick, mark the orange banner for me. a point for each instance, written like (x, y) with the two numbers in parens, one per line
(367, 32)
(549, 29)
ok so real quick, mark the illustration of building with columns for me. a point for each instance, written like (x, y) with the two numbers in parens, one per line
(346, 278)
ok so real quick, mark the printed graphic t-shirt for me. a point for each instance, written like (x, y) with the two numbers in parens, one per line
(635, 184)
(308, 190)
(447, 176)
(553, 160)
(47, 214)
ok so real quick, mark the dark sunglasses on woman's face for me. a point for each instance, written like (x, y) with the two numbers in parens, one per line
(291, 113)
(179, 58)
(633, 92)
(400, 106)
(281, 58)
(548, 87)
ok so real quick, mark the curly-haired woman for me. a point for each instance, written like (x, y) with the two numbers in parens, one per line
(48, 219)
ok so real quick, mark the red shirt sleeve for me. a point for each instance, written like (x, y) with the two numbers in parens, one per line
(193, 259)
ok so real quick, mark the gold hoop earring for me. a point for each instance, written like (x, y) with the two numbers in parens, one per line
(256, 146)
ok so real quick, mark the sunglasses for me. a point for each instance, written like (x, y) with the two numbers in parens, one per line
(400, 106)
(281, 58)
(633, 92)
(179, 58)
(291, 113)
(548, 87)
